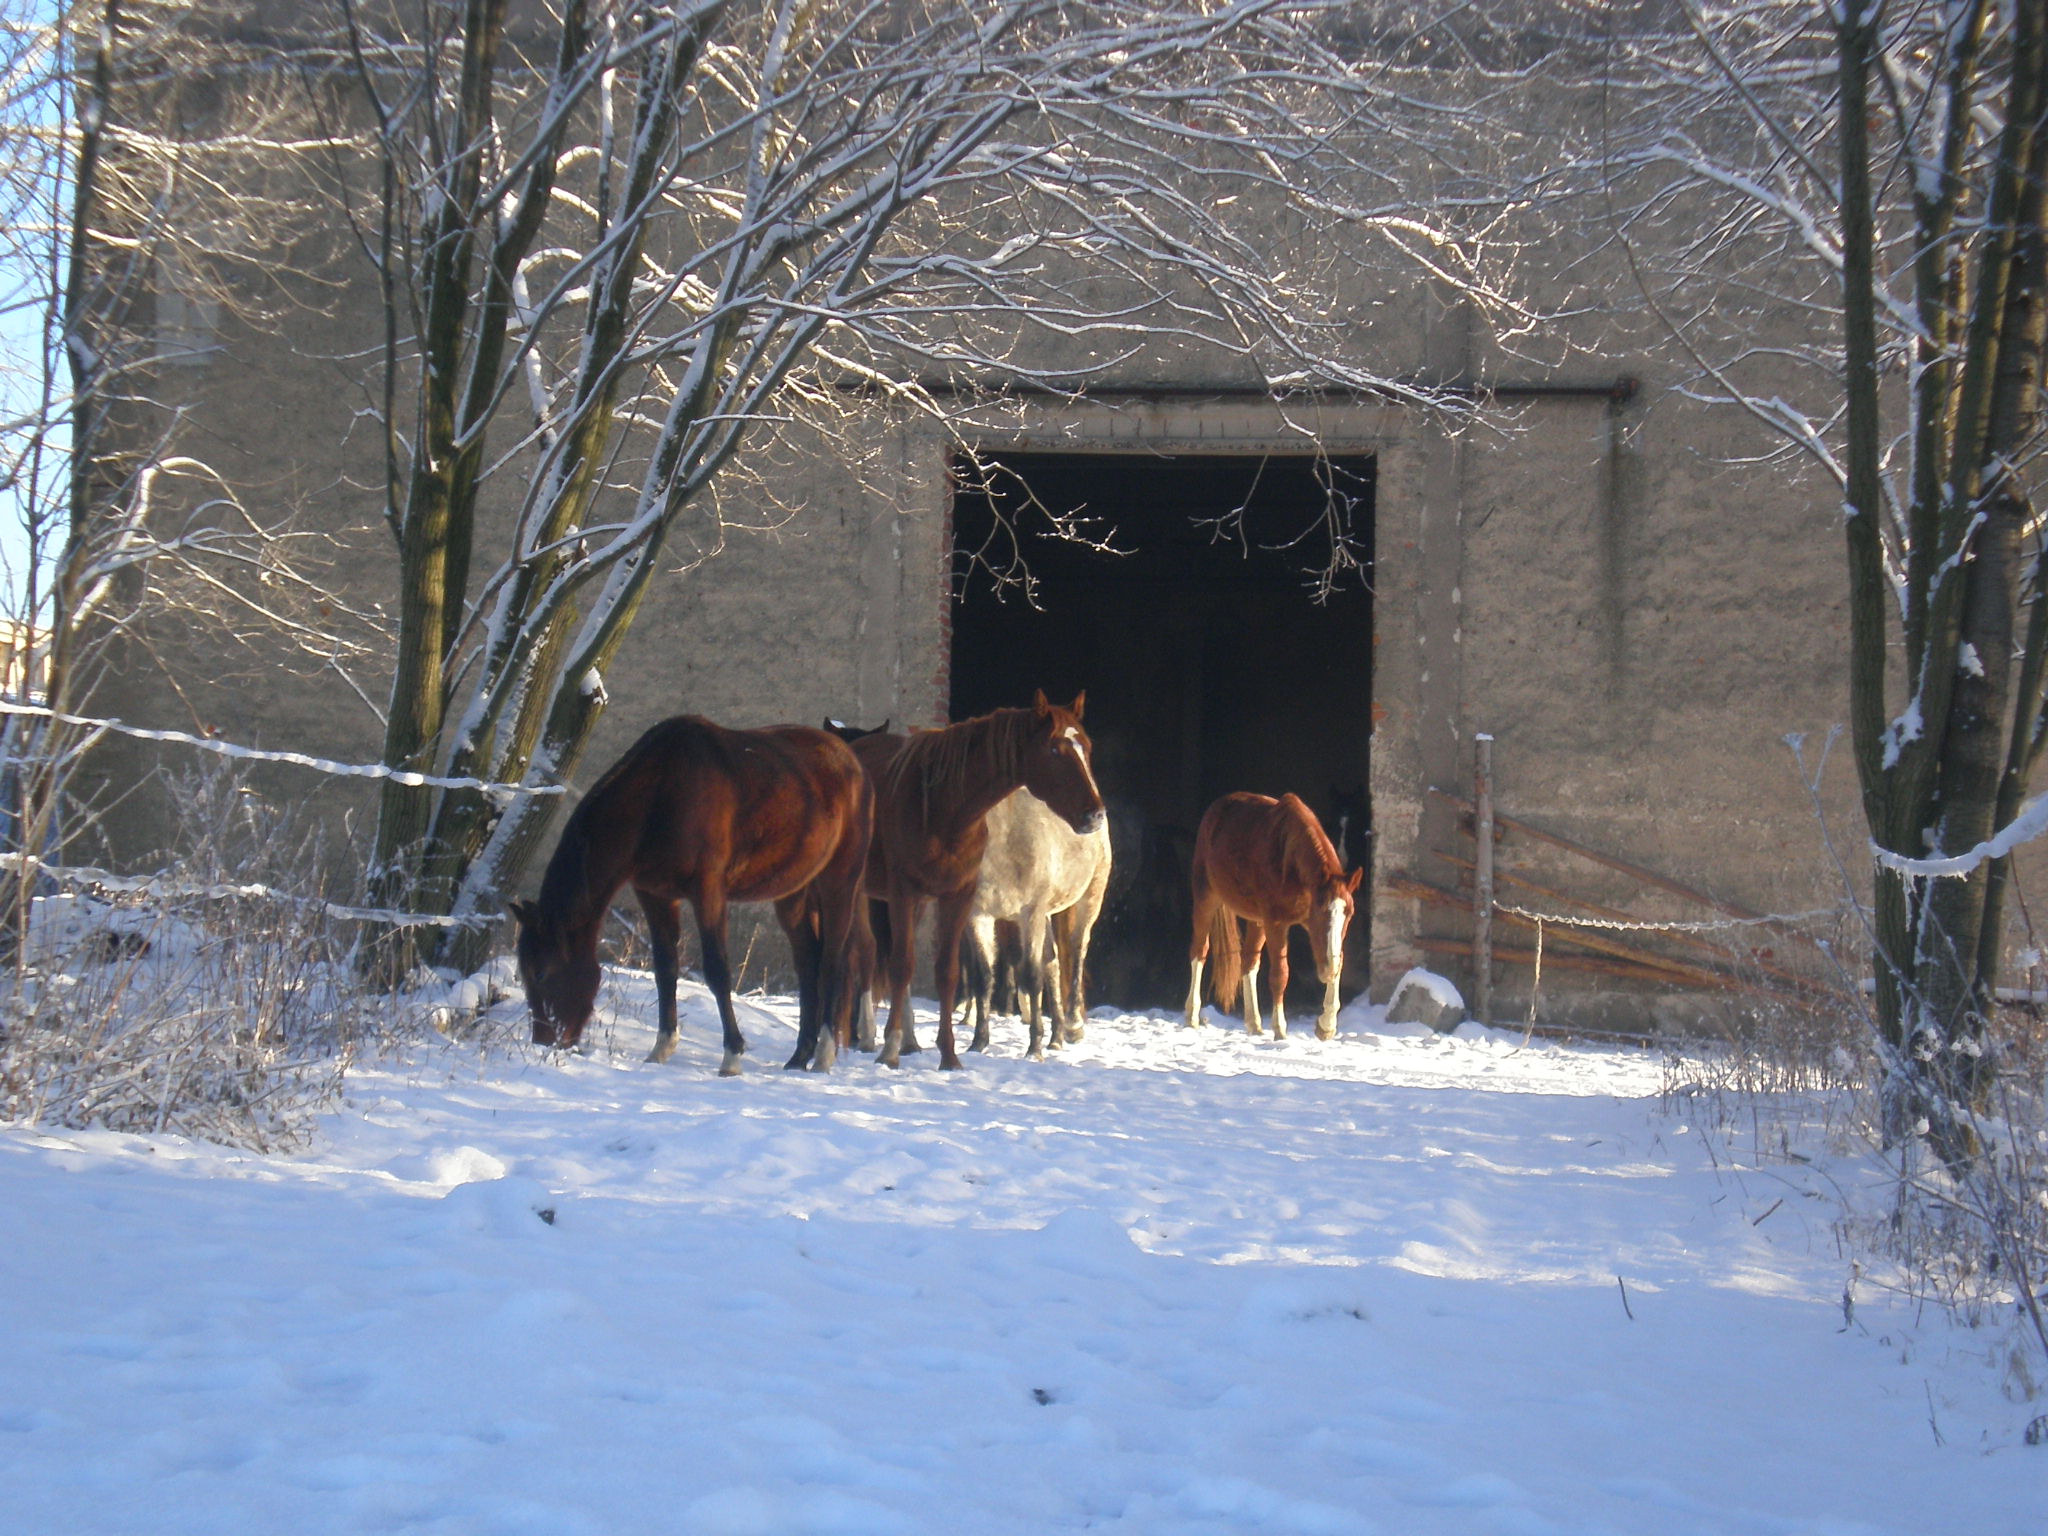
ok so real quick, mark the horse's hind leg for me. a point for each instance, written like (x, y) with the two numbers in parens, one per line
(664, 935)
(718, 976)
(1276, 965)
(1254, 958)
(1198, 954)
(800, 920)
(978, 971)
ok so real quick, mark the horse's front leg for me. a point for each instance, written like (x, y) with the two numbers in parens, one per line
(1333, 972)
(800, 918)
(1031, 982)
(1276, 966)
(711, 914)
(899, 1035)
(664, 937)
(951, 919)
(1059, 939)
(1072, 931)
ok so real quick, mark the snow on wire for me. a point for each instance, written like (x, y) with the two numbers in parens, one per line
(1648, 925)
(404, 776)
(162, 886)
(2030, 823)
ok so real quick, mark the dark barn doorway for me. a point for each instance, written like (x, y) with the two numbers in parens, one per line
(1187, 595)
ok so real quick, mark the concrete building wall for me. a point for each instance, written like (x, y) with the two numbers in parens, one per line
(1636, 617)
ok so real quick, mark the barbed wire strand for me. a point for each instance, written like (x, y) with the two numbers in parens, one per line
(1783, 919)
(403, 776)
(162, 885)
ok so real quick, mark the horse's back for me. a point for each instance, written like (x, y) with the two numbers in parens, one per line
(1264, 857)
(760, 812)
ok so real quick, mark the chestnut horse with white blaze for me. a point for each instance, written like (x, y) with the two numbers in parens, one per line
(1268, 863)
(695, 812)
(933, 793)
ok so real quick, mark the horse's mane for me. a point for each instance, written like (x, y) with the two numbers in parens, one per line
(566, 882)
(936, 764)
(1305, 839)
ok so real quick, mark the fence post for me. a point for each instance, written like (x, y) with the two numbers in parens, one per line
(1482, 879)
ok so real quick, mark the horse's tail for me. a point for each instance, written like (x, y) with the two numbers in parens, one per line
(977, 971)
(1226, 960)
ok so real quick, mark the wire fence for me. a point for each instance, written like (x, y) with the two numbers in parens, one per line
(162, 885)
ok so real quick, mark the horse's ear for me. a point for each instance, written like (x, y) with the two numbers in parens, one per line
(522, 911)
(1351, 885)
(1040, 702)
(1080, 704)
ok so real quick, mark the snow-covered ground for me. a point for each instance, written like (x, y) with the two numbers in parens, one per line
(1171, 1281)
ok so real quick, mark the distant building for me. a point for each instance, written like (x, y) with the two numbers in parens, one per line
(1637, 619)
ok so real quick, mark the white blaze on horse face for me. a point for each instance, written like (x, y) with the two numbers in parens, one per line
(1072, 737)
(1333, 943)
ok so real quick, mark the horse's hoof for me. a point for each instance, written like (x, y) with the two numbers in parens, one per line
(663, 1049)
(1253, 1029)
(1326, 1034)
(1279, 1034)
(730, 1067)
(951, 1064)
(1036, 1055)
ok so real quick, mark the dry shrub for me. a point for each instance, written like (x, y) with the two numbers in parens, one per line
(221, 1002)
(1971, 1240)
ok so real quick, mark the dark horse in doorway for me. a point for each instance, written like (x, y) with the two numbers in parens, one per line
(697, 812)
(933, 793)
(1268, 863)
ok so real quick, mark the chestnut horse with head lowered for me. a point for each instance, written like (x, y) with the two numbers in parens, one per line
(1268, 863)
(695, 812)
(933, 793)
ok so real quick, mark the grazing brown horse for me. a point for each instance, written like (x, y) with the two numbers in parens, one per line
(933, 793)
(697, 812)
(1269, 863)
